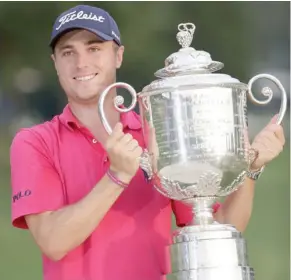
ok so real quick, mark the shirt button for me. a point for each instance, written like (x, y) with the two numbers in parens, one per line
(94, 141)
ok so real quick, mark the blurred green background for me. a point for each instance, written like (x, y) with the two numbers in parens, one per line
(248, 37)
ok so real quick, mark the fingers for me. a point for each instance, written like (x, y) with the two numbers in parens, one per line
(132, 145)
(268, 141)
(118, 128)
(276, 128)
(268, 144)
(124, 153)
(137, 152)
(274, 119)
(278, 131)
(117, 132)
(128, 143)
(120, 140)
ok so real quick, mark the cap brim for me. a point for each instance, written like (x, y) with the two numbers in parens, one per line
(101, 35)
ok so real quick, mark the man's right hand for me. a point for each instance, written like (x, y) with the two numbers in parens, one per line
(123, 152)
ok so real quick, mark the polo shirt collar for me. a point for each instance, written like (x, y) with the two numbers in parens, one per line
(129, 120)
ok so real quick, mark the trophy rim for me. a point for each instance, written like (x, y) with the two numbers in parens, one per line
(152, 92)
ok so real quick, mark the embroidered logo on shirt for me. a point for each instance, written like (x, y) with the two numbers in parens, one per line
(20, 195)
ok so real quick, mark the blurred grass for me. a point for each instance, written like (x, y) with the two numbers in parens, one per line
(267, 235)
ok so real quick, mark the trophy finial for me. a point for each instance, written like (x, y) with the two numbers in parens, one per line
(185, 34)
(187, 60)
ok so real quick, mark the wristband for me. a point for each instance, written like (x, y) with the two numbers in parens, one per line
(113, 178)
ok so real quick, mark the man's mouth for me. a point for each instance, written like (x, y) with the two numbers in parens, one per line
(85, 78)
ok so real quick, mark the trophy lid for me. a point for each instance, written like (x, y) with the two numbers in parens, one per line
(190, 67)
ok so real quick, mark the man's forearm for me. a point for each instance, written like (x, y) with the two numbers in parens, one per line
(60, 231)
(237, 207)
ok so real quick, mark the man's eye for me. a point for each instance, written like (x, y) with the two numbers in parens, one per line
(94, 49)
(67, 53)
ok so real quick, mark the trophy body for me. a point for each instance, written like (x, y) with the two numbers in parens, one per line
(202, 141)
(200, 152)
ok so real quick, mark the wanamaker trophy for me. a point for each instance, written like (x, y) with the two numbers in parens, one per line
(200, 121)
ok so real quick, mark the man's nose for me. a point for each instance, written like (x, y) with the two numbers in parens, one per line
(82, 61)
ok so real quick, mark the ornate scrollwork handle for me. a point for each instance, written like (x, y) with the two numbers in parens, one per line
(118, 101)
(267, 92)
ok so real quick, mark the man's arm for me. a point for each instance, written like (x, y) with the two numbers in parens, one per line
(56, 228)
(58, 232)
(237, 208)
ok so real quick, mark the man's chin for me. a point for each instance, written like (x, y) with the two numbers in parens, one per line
(87, 98)
(86, 95)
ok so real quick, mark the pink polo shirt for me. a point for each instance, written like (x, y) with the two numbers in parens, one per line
(57, 163)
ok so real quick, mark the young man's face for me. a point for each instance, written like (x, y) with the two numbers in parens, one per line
(85, 64)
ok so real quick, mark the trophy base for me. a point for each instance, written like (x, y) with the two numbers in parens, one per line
(227, 273)
(209, 252)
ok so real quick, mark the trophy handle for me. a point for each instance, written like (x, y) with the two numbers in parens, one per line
(267, 92)
(118, 101)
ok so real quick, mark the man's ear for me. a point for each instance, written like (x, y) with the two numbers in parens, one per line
(53, 58)
(119, 56)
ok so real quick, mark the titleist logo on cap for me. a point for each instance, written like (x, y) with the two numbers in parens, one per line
(80, 15)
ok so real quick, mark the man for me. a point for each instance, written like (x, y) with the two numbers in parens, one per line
(80, 192)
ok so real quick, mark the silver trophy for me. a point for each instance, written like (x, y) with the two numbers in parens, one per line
(200, 153)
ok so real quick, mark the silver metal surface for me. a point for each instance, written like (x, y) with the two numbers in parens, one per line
(267, 92)
(209, 252)
(208, 248)
(202, 141)
(217, 273)
(201, 152)
(117, 102)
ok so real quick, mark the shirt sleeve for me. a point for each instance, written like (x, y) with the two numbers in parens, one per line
(184, 214)
(36, 185)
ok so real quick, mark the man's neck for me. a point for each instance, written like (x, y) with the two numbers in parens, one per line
(88, 116)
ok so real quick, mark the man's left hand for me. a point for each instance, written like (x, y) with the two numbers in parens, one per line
(268, 143)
